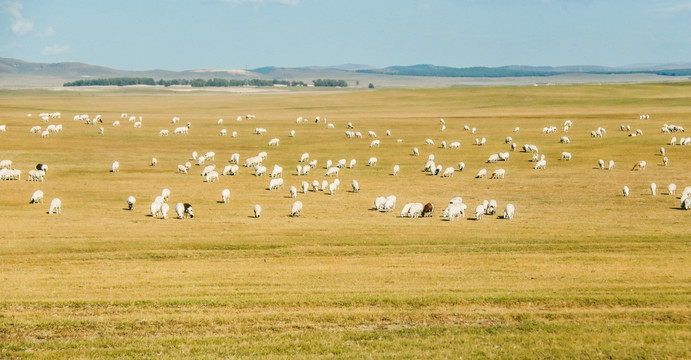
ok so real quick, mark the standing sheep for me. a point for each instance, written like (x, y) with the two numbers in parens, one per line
(164, 210)
(130, 202)
(293, 192)
(36, 197)
(625, 190)
(509, 211)
(653, 189)
(296, 208)
(115, 167)
(225, 196)
(356, 186)
(55, 206)
(672, 188)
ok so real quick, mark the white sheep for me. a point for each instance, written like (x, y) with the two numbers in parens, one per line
(448, 172)
(498, 174)
(352, 163)
(55, 206)
(293, 192)
(416, 152)
(315, 185)
(396, 170)
(165, 194)
(36, 197)
(225, 195)
(182, 169)
(259, 170)
(276, 184)
(305, 157)
(509, 211)
(479, 211)
(455, 211)
(639, 166)
(313, 163)
(296, 208)
(542, 164)
(223, 132)
(356, 186)
(481, 174)
(201, 160)
(208, 169)
(672, 188)
(333, 187)
(429, 142)
(566, 156)
(406, 209)
(610, 165)
(130, 202)
(374, 143)
(210, 155)
(276, 172)
(274, 142)
(292, 133)
(379, 203)
(305, 187)
(306, 169)
(164, 210)
(324, 185)
(115, 167)
(625, 190)
(461, 166)
(601, 164)
(455, 145)
(257, 210)
(662, 150)
(212, 176)
(416, 210)
(154, 161)
(372, 161)
(184, 210)
(665, 161)
(653, 189)
(332, 171)
(234, 159)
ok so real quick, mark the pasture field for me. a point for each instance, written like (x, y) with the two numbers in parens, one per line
(581, 272)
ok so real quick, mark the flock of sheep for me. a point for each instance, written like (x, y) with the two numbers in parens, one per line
(454, 210)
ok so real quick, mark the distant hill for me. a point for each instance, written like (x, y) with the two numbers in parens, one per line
(19, 73)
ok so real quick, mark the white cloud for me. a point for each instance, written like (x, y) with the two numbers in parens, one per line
(47, 32)
(56, 49)
(20, 26)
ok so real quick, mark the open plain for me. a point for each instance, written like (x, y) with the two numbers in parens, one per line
(580, 272)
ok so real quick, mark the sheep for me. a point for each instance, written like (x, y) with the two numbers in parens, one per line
(356, 186)
(36, 197)
(277, 171)
(379, 203)
(396, 169)
(673, 141)
(305, 187)
(427, 210)
(315, 186)
(333, 187)
(55, 206)
(610, 165)
(44, 134)
(429, 142)
(182, 130)
(184, 210)
(154, 161)
(653, 189)
(565, 140)
(443, 144)
(513, 146)
(35, 130)
(455, 211)
(388, 132)
(234, 159)
(665, 161)
(324, 185)
(686, 202)
(406, 209)
(662, 150)
(201, 160)
(341, 163)
(416, 152)
(36, 175)
(115, 167)
(481, 174)
(259, 170)
(263, 155)
(509, 211)
(164, 210)
(208, 169)
(305, 157)
(374, 143)
(416, 210)
(275, 184)
(372, 161)
(257, 210)
(253, 161)
(194, 155)
(498, 174)
(212, 176)
(328, 164)
(332, 171)
(130, 202)
(466, 128)
(165, 194)
(443, 127)
(639, 166)
(351, 164)
(137, 124)
(566, 156)
(672, 188)
(479, 211)
(100, 130)
(542, 164)
(223, 132)
(493, 158)
(358, 135)
(293, 192)
(182, 169)
(296, 208)
(371, 134)
(461, 166)
(601, 164)
(273, 142)
(625, 190)
(456, 145)
(349, 125)
(330, 126)
(230, 170)
(448, 172)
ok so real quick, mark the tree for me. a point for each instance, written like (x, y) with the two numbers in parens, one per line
(371, 86)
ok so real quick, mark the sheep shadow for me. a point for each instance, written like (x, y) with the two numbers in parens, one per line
(677, 208)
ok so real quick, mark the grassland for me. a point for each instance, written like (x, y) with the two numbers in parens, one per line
(582, 272)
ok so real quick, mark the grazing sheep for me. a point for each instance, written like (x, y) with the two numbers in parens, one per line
(296, 208)
(223, 132)
(601, 164)
(55, 206)
(212, 176)
(130, 202)
(184, 210)
(305, 187)
(273, 142)
(234, 159)
(164, 210)
(225, 195)
(493, 158)
(371, 133)
(200, 160)
(356, 186)
(325, 184)
(610, 165)
(390, 203)
(479, 211)
(36, 197)
(257, 210)
(566, 156)
(429, 142)
(662, 150)
(625, 190)
(498, 174)
(259, 170)
(313, 164)
(416, 152)
(374, 143)
(182, 169)
(194, 155)
(455, 211)
(665, 161)
(315, 185)
(461, 166)
(456, 145)
(491, 207)
(448, 172)
(639, 166)
(293, 192)
(154, 161)
(379, 203)
(653, 189)
(541, 165)
(333, 187)
(276, 184)
(277, 171)
(565, 140)
(155, 207)
(208, 169)
(481, 174)
(372, 161)
(509, 211)
(427, 210)
(416, 210)
(306, 169)
(115, 167)
(672, 188)
(332, 171)
(305, 157)
(396, 170)
(406, 209)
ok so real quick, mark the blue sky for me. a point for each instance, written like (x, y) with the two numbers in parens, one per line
(246, 34)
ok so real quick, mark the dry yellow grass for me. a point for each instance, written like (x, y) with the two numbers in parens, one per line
(582, 272)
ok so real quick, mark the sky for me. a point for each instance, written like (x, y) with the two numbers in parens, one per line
(247, 34)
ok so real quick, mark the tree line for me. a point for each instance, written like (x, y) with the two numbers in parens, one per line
(125, 81)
